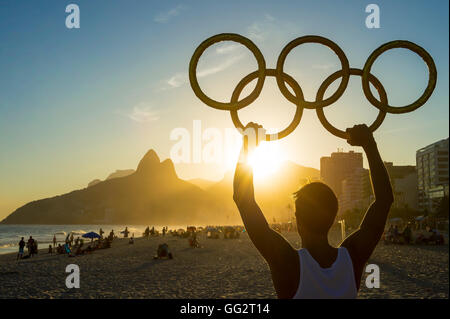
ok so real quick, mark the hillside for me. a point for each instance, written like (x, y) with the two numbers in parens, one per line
(153, 194)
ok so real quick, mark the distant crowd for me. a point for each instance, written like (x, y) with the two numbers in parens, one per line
(407, 236)
(75, 246)
(71, 246)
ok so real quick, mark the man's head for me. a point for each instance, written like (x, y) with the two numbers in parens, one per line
(316, 207)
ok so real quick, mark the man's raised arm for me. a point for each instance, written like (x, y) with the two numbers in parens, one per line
(363, 241)
(270, 244)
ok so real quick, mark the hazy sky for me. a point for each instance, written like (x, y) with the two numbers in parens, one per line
(77, 104)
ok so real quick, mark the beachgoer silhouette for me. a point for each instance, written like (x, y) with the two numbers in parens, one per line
(67, 249)
(163, 252)
(125, 232)
(407, 233)
(193, 242)
(30, 246)
(318, 270)
(147, 232)
(21, 248)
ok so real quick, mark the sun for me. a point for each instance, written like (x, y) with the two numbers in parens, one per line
(266, 159)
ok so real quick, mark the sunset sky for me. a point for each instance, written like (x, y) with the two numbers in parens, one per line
(77, 104)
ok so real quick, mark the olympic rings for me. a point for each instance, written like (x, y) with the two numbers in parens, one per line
(298, 99)
(313, 39)
(320, 114)
(193, 71)
(431, 79)
(292, 83)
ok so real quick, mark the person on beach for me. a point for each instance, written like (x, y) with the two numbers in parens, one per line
(407, 234)
(318, 270)
(54, 240)
(21, 248)
(125, 232)
(390, 234)
(67, 249)
(193, 242)
(163, 252)
(396, 232)
(30, 246)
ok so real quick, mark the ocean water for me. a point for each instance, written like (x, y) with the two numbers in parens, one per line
(10, 234)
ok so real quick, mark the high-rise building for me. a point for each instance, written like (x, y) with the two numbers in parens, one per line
(432, 175)
(355, 191)
(337, 167)
(340, 167)
(404, 185)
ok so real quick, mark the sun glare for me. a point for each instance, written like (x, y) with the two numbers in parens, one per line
(266, 159)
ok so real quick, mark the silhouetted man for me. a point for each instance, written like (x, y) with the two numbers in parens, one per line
(21, 248)
(318, 270)
(30, 246)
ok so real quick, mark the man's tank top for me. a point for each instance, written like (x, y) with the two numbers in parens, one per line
(337, 282)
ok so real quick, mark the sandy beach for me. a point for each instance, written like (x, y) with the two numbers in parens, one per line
(230, 268)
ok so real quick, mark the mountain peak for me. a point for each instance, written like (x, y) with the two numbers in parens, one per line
(169, 168)
(120, 173)
(149, 160)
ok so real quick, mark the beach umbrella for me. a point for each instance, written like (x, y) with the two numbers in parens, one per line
(91, 235)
